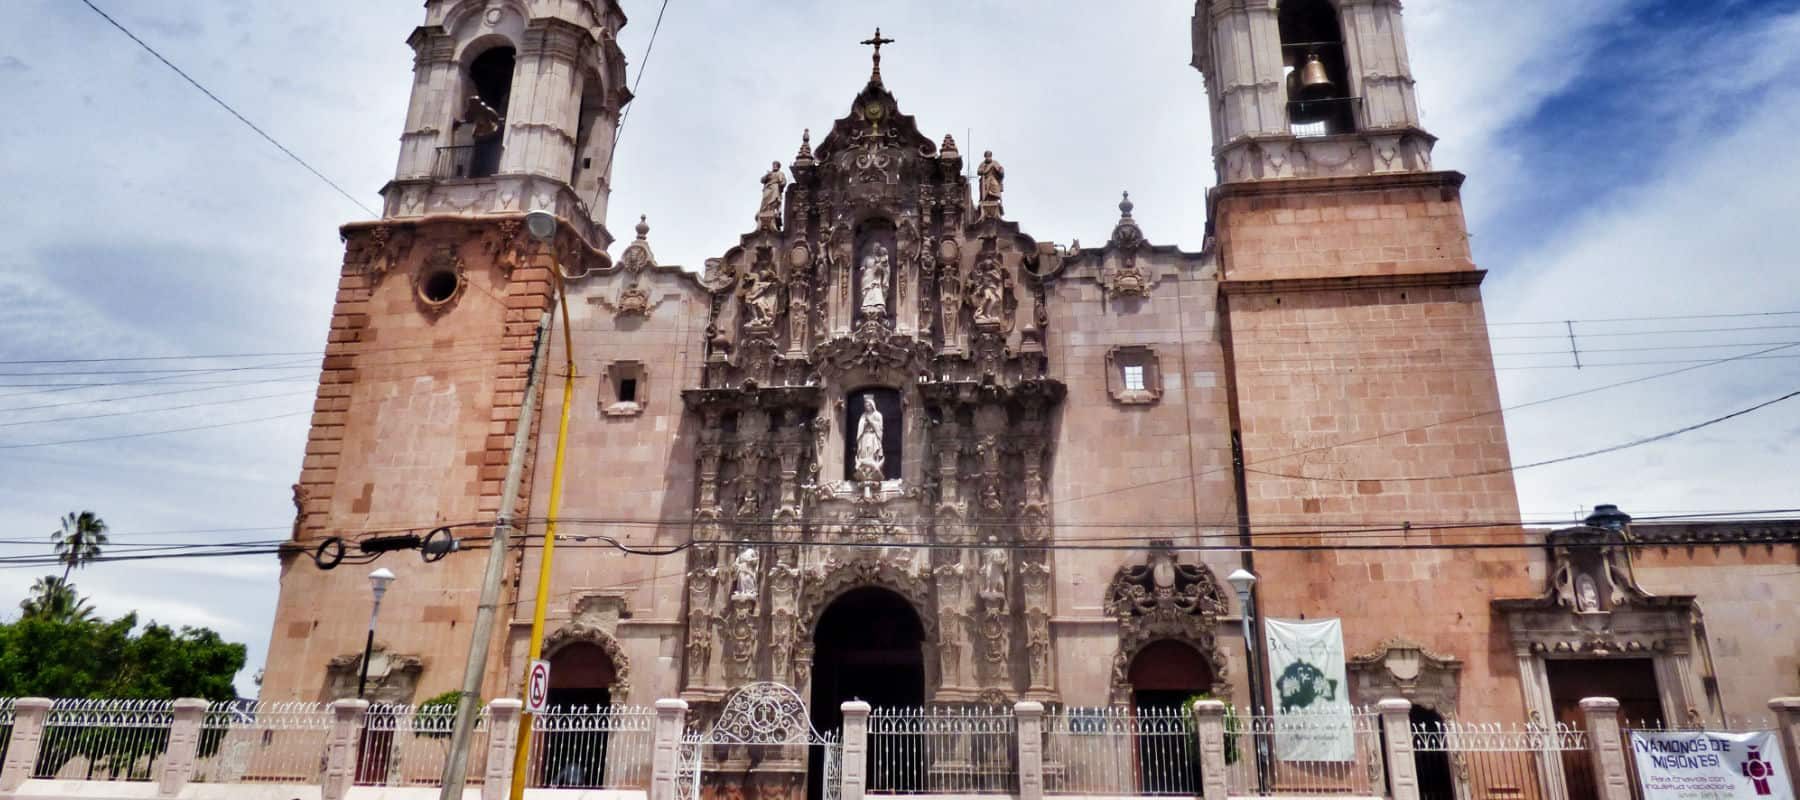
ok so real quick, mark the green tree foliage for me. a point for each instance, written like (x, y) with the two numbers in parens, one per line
(79, 541)
(45, 656)
(55, 598)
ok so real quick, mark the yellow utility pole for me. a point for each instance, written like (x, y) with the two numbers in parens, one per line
(522, 754)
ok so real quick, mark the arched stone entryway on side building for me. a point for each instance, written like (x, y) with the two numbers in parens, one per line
(1163, 604)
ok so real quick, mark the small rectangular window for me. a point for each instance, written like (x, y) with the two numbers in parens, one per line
(628, 390)
(1134, 378)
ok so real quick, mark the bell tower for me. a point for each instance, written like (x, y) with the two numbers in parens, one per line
(1361, 386)
(438, 314)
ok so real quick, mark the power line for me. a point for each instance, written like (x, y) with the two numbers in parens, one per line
(227, 106)
(143, 434)
(1546, 462)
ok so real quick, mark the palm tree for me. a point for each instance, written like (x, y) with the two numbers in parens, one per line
(79, 541)
(54, 599)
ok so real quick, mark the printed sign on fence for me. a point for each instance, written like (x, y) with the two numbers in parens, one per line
(1306, 669)
(1702, 765)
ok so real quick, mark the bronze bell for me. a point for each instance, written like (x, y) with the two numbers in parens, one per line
(1314, 83)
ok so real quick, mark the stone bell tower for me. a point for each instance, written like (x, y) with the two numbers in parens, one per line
(514, 107)
(1362, 390)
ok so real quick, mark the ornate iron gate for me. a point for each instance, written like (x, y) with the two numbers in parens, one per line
(763, 714)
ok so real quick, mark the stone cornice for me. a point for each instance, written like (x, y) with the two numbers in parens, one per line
(1745, 532)
(1417, 280)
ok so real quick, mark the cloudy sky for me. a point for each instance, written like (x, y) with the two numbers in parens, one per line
(1628, 160)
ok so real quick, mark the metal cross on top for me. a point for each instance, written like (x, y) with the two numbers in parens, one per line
(877, 41)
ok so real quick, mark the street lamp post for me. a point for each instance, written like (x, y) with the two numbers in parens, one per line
(1243, 581)
(378, 584)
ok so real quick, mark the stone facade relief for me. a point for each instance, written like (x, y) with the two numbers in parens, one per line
(1164, 598)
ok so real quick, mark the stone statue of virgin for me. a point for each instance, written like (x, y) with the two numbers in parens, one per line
(869, 456)
(875, 282)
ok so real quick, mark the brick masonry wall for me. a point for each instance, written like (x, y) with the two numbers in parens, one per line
(412, 428)
(1356, 322)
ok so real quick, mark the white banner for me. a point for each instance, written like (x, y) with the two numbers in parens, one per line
(1702, 765)
(1312, 697)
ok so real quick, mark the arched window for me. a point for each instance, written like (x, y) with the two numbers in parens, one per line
(481, 122)
(1312, 52)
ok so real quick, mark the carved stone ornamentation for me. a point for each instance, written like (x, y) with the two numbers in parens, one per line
(1403, 668)
(1164, 598)
(578, 631)
(1126, 278)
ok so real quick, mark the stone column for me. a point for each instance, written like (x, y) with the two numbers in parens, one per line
(1375, 49)
(665, 757)
(27, 737)
(1396, 730)
(340, 747)
(503, 744)
(1209, 726)
(855, 768)
(1600, 716)
(184, 747)
(1030, 717)
(1787, 724)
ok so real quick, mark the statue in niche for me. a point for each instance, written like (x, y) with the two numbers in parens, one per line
(993, 177)
(875, 271)
(993, 573)
(1587, 594)
(988, 292)
(762, 295)
(870, 458)
(772, 186)
(750, 503)
(743, 574)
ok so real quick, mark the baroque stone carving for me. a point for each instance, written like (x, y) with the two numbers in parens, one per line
(768, 215)
(1403, 668)
(578, 631)
(1164, 598)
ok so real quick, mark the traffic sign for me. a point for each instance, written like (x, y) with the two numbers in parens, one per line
(537, 688)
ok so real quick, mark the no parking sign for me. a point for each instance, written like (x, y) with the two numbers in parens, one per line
(537, 688)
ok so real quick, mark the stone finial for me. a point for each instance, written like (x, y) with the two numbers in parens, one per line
(948, 148)
(805, 157)
(643, 227)
(1125, 205)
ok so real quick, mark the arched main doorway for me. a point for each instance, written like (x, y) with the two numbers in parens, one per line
(1165, 676)
(571, 751)
(868, 645)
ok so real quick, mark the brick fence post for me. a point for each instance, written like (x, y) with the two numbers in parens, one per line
(1209, 727)
(503, 745)
(1397, 750)
(1030, 717)
(347, 717)
(665, 757)
(1787, 723)
(184, 746)
(854, 772)
(1606, 747)
(27, 737)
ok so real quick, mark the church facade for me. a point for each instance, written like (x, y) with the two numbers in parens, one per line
(893, 444)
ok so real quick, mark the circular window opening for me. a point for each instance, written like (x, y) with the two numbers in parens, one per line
(439, 286)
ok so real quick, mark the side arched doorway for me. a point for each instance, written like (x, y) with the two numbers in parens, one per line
(868, 645)
(1431, 761)
(570, 750)
(1165, 677)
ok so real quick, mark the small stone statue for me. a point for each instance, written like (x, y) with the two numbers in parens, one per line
(1587, 594)
(988, 292)
(743, 575)
(773, 184)
(762, 295)
(993, 178)
(875, 272)
(870, 458)
(993, 573)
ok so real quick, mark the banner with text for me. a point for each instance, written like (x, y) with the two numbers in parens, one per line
(1702, 765)
(1306, 670)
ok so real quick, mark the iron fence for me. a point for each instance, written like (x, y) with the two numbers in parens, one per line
(104, 740)
(600, 747)
(405, 745)
(1311, 754)
(1121, 751)
(1507, 762)
(943, 750)
(250, 742)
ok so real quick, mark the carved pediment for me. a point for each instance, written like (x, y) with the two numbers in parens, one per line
(1162, 591)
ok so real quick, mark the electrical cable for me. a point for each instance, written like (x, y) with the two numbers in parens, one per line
(227, 106)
